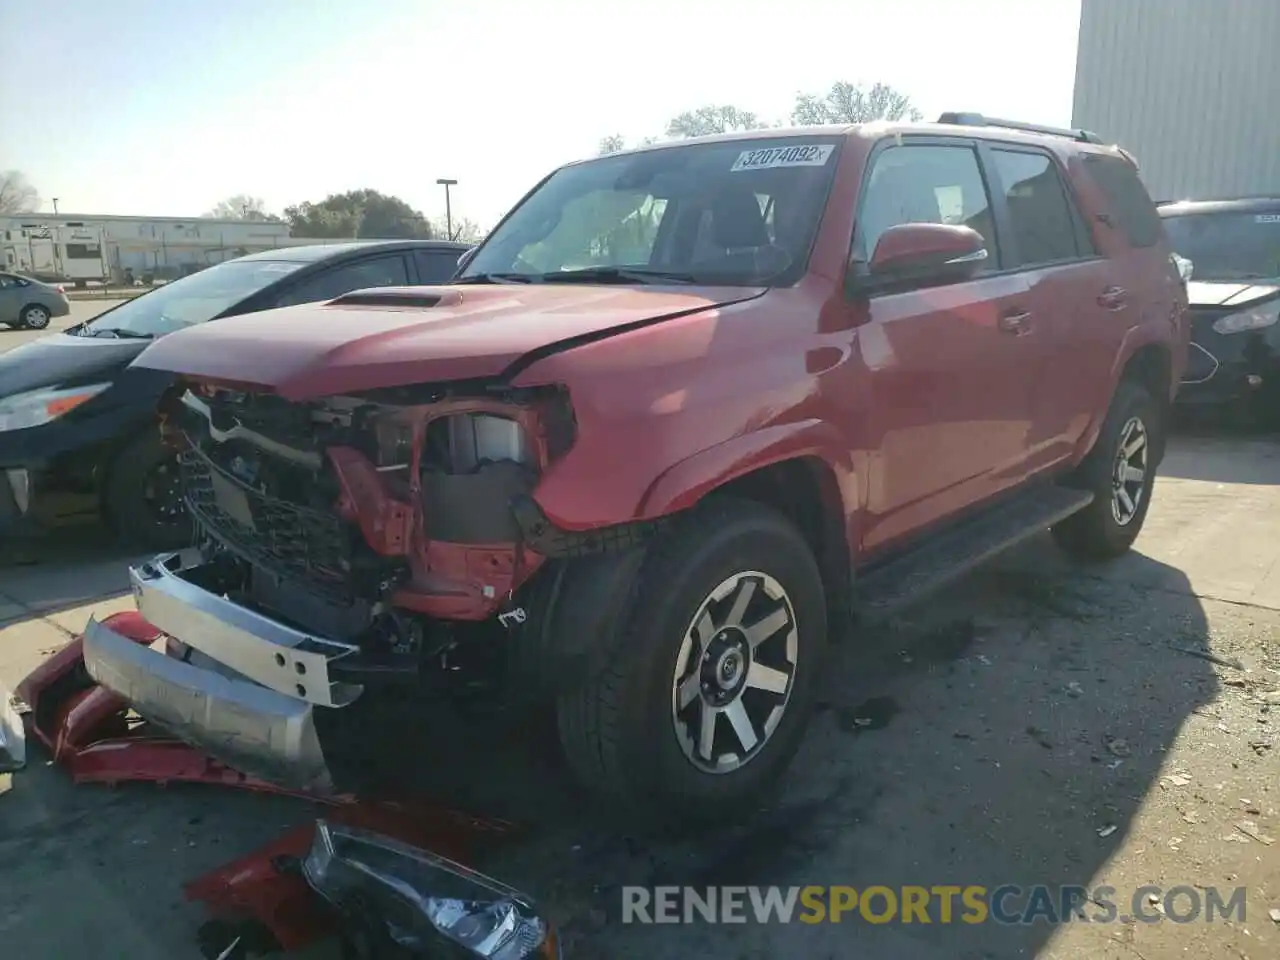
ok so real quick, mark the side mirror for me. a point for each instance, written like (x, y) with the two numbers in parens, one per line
(465, 257)
(926, 253)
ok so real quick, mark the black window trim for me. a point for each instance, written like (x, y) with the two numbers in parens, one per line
(415, 252)
(273, 294)
(1000, 223)
(1086, 248)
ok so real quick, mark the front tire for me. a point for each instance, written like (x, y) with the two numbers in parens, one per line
(1120, 471)
(142, 496)
(34, 317)
(713, 674)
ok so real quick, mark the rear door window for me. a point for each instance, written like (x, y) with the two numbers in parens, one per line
(436, 266)
(388, 271)
(1130, 204)
(1044, 228)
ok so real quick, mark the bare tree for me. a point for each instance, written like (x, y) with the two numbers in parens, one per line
(713, 119)
(464, 230)
(16, 194)
(848, 103)
(612, 144)
(241, 207)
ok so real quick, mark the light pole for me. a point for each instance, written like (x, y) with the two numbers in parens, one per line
(55, 206)
(448, 210)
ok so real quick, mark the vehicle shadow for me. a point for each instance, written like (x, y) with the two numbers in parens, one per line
(64, 569)
(1005, 733)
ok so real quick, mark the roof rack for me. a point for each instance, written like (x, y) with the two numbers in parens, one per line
(978, 120)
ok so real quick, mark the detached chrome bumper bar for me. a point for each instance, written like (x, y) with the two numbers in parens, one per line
(265, 651)
(237, 684)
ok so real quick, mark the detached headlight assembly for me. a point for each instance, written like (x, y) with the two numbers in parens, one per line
(424, 902)
(37, 407)
(1254, 319)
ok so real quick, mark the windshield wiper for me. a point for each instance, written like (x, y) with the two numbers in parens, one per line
(495, 278)
(117, 333)
(616, 275)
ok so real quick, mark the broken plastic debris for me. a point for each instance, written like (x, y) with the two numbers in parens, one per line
(1108, 830)
(1274, 914)
(1074, 689)
(13, 736)
(1178, 780)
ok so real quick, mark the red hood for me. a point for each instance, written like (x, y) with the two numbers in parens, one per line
(325, 349)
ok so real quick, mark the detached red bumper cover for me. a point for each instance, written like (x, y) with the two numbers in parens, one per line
(298, 889)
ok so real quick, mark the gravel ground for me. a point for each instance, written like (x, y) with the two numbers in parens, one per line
(1039, 723)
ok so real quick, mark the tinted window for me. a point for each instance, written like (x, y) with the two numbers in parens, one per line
(436, 266)
(924, 185)
(1228, 246)
(376, 272)
(690, 209)
(1129, 202)
(1039, 210)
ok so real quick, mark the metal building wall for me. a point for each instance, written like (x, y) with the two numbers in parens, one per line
(1190, 87)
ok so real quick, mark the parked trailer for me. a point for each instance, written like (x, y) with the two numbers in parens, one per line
(59, 254)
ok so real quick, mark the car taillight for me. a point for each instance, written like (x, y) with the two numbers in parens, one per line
(61, 290)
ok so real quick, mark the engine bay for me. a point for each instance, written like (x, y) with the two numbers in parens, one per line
(384, 523)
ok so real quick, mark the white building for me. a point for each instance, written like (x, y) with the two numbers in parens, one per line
(67, 245)
(1190, 87)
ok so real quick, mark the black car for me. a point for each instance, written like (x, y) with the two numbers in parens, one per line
(1234, 249)
(78, 425)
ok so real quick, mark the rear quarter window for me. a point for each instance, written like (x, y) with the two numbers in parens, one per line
(1128, 202)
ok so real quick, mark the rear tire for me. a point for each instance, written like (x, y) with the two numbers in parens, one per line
(728, 620)
(34, 317)
(1120, 471)
(142, 496)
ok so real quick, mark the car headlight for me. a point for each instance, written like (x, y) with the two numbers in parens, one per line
(1254, 319)
(36, 407)
(421, 899)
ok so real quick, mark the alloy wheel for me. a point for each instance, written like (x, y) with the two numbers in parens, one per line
(36, 318)
(1129, 472)
(735, 672)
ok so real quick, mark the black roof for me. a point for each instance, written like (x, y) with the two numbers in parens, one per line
(1175, 208)
(314, 253)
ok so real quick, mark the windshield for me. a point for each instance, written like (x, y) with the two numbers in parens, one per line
(1228, 246)
(194, 299)
(735, 213)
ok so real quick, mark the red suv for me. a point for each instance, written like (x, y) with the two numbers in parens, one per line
(685, 414)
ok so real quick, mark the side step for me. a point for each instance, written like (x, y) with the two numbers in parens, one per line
(950, 554)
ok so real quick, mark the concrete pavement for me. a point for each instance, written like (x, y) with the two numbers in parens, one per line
(1041, 722)
(81, 310)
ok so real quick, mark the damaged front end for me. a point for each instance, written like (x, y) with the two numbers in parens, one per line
(350, 546)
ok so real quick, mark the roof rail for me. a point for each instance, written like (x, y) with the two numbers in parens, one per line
(978, 120)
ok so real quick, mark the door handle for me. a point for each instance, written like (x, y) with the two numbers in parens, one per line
(1114, 298)
(1016, 323)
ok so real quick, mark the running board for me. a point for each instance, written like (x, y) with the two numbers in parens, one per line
(946, 556)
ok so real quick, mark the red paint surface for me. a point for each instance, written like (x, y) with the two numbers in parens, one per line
(913, 406)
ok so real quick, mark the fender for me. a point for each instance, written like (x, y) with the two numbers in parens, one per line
(1150, 333)
(688, 481)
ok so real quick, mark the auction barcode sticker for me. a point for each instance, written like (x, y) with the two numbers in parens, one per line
(803, 155)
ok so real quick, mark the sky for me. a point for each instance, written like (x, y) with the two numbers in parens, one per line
(165, 107)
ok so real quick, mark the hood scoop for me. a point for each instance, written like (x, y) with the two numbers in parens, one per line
(398, 297)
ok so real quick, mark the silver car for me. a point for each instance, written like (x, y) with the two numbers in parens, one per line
(30, 304)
